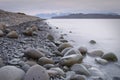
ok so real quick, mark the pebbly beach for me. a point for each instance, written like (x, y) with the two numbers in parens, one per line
(31, 50)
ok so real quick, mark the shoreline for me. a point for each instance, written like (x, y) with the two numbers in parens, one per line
(33, 50)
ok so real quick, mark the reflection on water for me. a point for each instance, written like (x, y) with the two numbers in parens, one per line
(104, 31)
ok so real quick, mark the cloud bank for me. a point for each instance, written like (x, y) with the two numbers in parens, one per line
(49, 6)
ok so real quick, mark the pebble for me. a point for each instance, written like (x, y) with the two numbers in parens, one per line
(12, 34)
(63, 46)
(92, 41)
(50, 37)
(33, 53)
(28, 32)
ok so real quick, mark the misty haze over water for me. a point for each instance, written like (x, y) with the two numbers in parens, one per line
(104, 31)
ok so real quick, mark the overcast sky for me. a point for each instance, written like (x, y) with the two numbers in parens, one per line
(33, 7)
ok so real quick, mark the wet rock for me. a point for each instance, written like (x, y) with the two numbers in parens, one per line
(83, 50)
(72, 51)
(71, 59)
(28, 32)
(31, 62)
(11, 73)
(50, 37)
(63, 40)
(33, 53)
(12, 34)
(96, 53)
(48, 66)
(45, 60)
(57, 43)
(97, 73)
(1, 33)
(110, 57)
(65, 50)
(7, 30)
(57, 28)
(116, 78)
(92, 41)
(80, 69)
(60, 72)
(63, 46)
(70, 31)
(36, 72)
(101, 61)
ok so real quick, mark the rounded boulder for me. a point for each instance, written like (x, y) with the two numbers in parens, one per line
(36, 72)
(110, 57)
(63, 46)
(33, 53)
(11, 73)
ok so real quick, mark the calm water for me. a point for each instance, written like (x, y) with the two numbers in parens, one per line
(106, 32)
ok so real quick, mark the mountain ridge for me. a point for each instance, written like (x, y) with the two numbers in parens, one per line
(89, 16)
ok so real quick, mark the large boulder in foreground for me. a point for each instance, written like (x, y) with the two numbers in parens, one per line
(71, 59)
(63, 46)
(36, 72)
(110, 57)
(12, 34)
(11, 73)
(33, 53)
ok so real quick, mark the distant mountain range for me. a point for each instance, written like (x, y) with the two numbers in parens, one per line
(50, 15)
(88, 16)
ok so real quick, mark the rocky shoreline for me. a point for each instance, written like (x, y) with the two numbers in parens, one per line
(31, 51)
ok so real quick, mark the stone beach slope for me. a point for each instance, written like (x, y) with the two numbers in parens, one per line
(10, 18)
(30, 50)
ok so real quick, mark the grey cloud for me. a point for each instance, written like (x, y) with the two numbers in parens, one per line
(42, 6)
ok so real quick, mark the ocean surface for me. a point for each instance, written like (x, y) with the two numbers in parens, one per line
(106, 32)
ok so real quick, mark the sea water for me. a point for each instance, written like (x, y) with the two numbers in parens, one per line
(106, 33)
